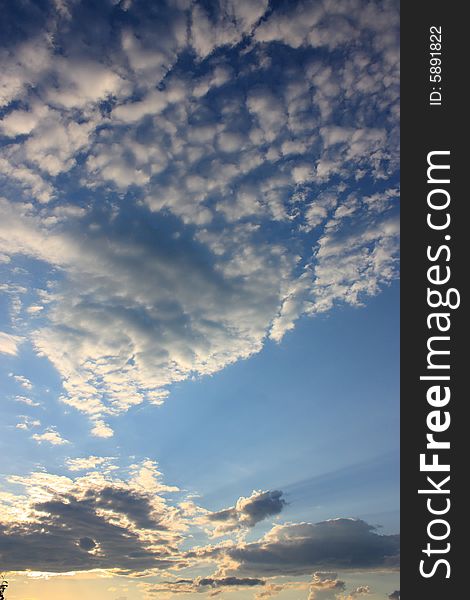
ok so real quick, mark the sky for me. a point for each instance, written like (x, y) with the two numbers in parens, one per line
(199, 299)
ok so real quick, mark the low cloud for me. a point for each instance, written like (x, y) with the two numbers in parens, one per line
(26, 400)
(247, 512)
(86, 463)
(92, 522)
(203, 585)
(299, 548)
(22, 380)
(139, 524)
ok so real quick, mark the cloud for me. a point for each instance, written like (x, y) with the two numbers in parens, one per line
(301, 547)
(394, 595)
(9, 343)
(185, 182)
(227, 26)
(86, 463)
(327, 25)
(51, 436)
(23, 66)
(101, 429)
(22, 380)
(93, 522)
(247, 512)
(195, 181)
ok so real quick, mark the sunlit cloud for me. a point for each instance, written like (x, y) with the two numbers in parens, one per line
(51, 436)
(9, 343)
(183, 183)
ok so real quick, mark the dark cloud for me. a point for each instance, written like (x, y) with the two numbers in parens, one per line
(299, 548)
(204, 584)
(93, 525)
(394, 595)
(201, 180)
(229, 581)
(209, 174)
(248, 511)
(49, 547)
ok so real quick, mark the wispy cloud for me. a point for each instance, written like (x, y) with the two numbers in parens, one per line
(9, 343)
(299, 548)
(138, 524)
(253, 200)
(26, 400)
(86, 463)
(247, 512)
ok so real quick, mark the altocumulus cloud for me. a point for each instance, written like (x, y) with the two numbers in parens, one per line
(96, 521)
(9, 343)
(192, 181)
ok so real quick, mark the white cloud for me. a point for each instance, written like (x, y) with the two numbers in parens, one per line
(9, 343)
(131, 524)
(233, 20)
(325, 586)
(100, 429)
(27, 423)
(299, 548)
(55, 141)
(153, 103)
(19, 122)
(268, 110)
(34, 309)
(51, 436)
(28, 179)
(95, 521)
(86, 463)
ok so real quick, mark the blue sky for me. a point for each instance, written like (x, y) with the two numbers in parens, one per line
(199, 291)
